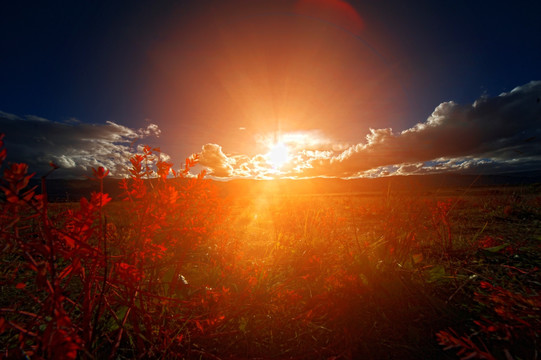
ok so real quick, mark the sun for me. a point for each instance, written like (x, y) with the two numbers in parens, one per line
(278, 155)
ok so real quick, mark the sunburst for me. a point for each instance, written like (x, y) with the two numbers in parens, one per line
(278, 155)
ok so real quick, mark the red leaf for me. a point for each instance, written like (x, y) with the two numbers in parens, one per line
(100, 173)
(3, 325)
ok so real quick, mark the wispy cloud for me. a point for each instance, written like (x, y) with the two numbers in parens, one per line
(492, 135)
(73, 145)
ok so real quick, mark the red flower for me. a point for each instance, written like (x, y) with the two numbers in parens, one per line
(100, 173)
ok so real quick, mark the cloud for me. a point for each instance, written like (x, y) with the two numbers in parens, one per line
(75, 146)
(220, 165)
(492, 135)
(501, 130)
(213, 158)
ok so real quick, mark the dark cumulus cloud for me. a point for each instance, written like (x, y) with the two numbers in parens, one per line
(493, 135)
(74, 146)
(503, 130)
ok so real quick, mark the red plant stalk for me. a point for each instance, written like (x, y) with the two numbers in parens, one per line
(81, 287)
(441, 223)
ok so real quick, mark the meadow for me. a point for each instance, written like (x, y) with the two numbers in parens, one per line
(174, 270)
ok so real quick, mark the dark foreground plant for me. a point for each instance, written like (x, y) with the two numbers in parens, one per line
(73, 285)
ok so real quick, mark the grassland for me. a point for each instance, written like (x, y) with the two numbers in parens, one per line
(381, 275)
(179, 271)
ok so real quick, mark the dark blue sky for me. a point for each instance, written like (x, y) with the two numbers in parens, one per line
(64, 59)
(97, 61)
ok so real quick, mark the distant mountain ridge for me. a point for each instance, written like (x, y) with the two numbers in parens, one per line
(61, 190)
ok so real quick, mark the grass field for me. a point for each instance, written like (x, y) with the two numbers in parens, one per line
(176, 271)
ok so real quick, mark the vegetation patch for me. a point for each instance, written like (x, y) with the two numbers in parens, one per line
(172, 269)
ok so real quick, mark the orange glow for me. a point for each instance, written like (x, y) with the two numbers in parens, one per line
(278, 155)
(301, 62)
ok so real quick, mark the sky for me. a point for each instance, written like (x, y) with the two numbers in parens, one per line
(273, 88)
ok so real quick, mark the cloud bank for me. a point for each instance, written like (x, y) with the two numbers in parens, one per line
(74, 146)
(492, 135)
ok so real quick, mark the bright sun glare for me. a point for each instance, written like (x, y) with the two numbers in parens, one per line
(278, 155)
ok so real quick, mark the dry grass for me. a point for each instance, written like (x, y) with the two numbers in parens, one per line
(178, 272)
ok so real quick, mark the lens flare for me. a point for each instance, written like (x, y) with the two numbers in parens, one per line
(278, 155)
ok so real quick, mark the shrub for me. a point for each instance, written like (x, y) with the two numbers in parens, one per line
(81, 286)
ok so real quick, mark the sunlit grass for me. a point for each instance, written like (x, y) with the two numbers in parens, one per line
(175, 271)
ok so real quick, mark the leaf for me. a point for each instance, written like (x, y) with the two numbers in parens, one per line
(3, 325)
(67, 270)
(364, 279)
(436, 273)
(498, 248)
(242, 324)
(100, 173)
(417, 258)
(199, 326)
(120, 313)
